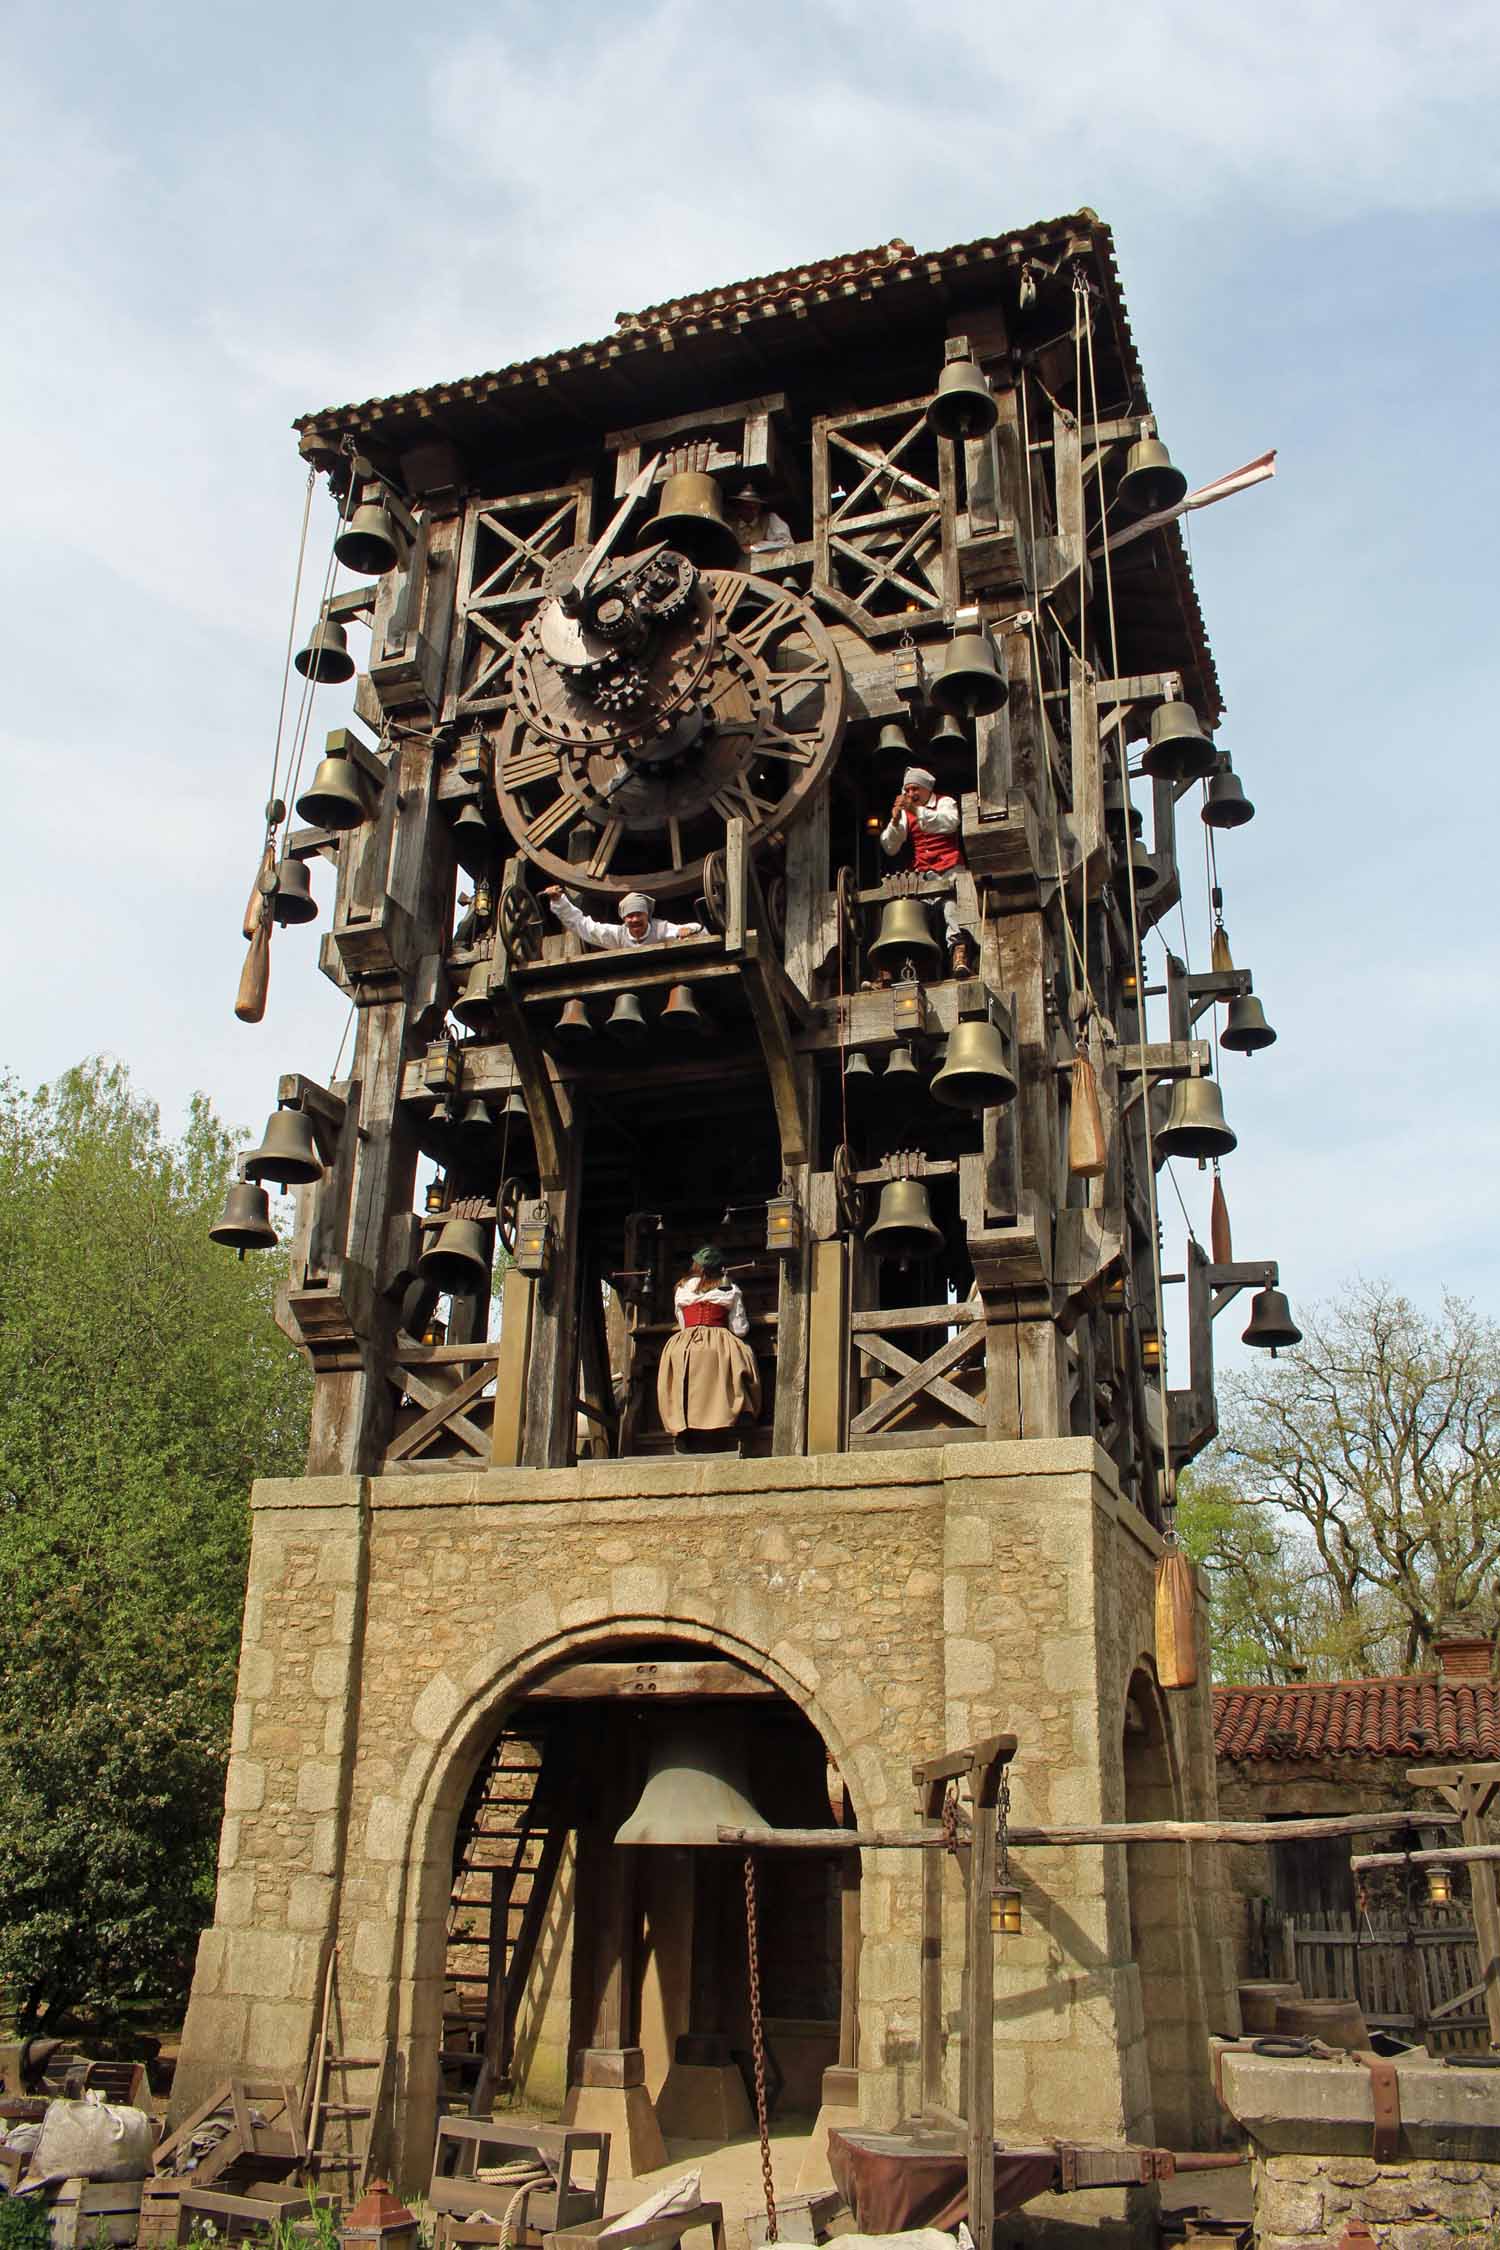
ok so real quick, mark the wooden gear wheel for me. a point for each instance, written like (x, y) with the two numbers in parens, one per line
(848, 1194)
(521, 925)
(736, 708)
(509, 1196)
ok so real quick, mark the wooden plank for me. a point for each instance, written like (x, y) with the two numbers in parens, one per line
(517, 1295)
(828, 1348)
(1115, 1832)
(912, 1385)
(441, 1415)
(661, 1680)
(900, 1363)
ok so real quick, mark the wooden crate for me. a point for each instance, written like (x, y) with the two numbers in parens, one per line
(84, 2212)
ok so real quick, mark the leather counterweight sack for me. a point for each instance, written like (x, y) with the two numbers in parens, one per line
(1088, 1151)
(1176, 1601)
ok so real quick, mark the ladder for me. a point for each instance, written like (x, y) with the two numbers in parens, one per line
(341, 2100)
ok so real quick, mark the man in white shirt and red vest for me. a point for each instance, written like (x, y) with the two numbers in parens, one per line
(639, 923)
(930, 824)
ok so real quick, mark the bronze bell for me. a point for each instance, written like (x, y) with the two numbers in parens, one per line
(473, 1008)
(1117, 808)
(293, 900)
(1150, 482)
(1179, 750)
(458, 1259)
(971, 683)
(859, 1079)
(573, 1027)
(696, 1784)
(903, 1227)
(975, 1074)
(905, 935)
(626, 1022)
(1245, 1027)
(902, 1069)
(246, 1223)
(326, 657)
(1272, 1328)
(1195, 1121)
(683, 1016)
(473, 844)
(370, 542)
(950, 729)
(476, 1127)
(288, 1154)
(962, 405)
(690, 516)
(1227, 806)
(333, 798)
(893, 736)
(1147, 873)
(515, 1118)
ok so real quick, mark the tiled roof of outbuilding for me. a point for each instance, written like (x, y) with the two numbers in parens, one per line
(1418, 1717)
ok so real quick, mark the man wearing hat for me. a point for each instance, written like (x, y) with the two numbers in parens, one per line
(638, 923)
(930, 824)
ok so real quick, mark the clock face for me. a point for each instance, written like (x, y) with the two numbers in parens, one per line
(668, 701)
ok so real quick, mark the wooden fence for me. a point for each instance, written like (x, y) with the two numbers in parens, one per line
(1420, 1980)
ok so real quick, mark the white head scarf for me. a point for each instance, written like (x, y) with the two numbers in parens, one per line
(636, 902)
(917, 777)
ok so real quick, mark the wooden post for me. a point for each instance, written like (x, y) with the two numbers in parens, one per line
(828, 1349)
(552, 1370)
(517, 1296)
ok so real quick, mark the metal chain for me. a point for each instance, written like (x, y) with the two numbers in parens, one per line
(1002, 1827)
(758, 2047)
(950, 1821)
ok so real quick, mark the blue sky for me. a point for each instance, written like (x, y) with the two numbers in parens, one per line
(220, 217)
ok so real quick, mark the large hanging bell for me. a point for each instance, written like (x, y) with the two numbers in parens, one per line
(905, 936)
(626, 1020)
(1150, 482)
(458, 1259)
(326, 657)
(971, 684)
(1195, 1121)
(975, 1074)
(1226, 805)
(690, 515)
(246, 1221)
(962, 406)
(682, 1016)
(1246, 1030)
(288, 1154)
(473, 1008)
(370, 542)
(293, 900)
(573, 1027)
(903, 1227)
(696, 1783)
(472, 842)
(1272, 1328)
(333, 798)
(1179, 750)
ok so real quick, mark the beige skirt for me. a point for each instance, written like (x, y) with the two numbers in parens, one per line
(707, 1380)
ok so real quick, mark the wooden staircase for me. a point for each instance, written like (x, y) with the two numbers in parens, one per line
(506, 1856)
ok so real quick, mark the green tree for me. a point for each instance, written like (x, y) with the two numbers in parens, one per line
(1352, 1501)
(142, 1385)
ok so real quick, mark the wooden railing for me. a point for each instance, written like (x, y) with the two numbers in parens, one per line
(446, 1410)
(1420, 1980)
(924, 1398)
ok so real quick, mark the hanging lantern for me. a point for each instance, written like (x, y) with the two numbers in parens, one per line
(1150, 1350)
(1439, 1886)
(783, 1225)
(1005, 1910)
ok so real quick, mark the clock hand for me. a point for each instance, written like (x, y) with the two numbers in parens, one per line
(570, 597)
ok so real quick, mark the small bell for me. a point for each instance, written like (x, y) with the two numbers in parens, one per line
(476, 1128)
(901, 1071)
(459, 1259)
(962, 405)
(905, 935)
(1226, 805)
(333, 798)
(950, 731)
(473, 1008)
(573, 1027)
(370, 543)
(326, 657)
(514, 1121)
(1147, 874)
(1195, 1121)
(903, 1227)
(1272, 1328)
(473, 844)
(292, 900)
(288, 1154)
(893, 736)
(971, 683)
(690, 517)
(1246, 1030)
(246, 1221)
(1150, 483)
(682, 1016)
(626, 1022)
(975, 1074)
(1178, 750)
(859, 1082)
(1117, 808)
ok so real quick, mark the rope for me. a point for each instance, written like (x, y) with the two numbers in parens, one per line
(758, 2048)
(291, 640)
(310, 686)
(526, 2174)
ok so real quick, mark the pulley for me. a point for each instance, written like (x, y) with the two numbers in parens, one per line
(246, 1220)
(971, 684)
(288, 1154)
(326, 657)
(975, 1074)
(903, 1227)
(1150, 483)
(370, 543)
(1246, 1030)
(333, 798)
(1271, 1328)
(904, 935)
(962, 405)
(626, 1022)
(1195, 1121)
(292, 900)
(1178, 750)
(690, 516)
(1227, 806)
(696, 1783)
(893, 736)
(473, 1008)
(573, 1027)
(459, 1259)
(682, 1017)
(473, 844)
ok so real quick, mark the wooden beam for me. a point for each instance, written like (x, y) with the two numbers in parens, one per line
(660, 1682)
(1118, 1832)
(764, 979)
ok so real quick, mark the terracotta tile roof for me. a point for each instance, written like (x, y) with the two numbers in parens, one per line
(1418, 1717)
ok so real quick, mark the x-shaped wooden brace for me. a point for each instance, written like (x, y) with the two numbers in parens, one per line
(917, 1376)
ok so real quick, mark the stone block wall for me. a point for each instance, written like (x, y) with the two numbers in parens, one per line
(1426, 2204)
